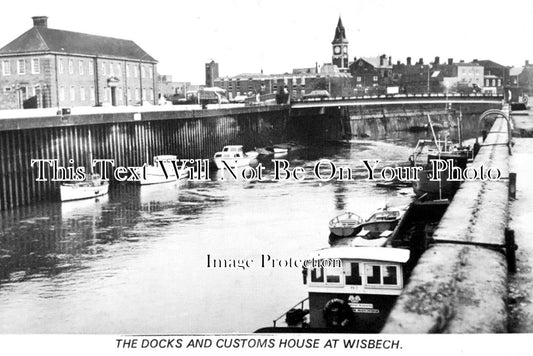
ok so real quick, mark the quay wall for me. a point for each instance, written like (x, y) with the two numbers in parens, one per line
(319, 124)
(375, 121)
(134, 138)
(131, 139)
(457, 287)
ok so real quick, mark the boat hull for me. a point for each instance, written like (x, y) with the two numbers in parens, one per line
(71, 192)
(232, 162)
(369, 313)
(439, 188)
(252, 154)
(155, 175)
(344, 231)
(346, 224)
(157, 179)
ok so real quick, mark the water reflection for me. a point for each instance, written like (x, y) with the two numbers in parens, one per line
(134, 261)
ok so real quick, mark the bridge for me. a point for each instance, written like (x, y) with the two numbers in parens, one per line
(399, 99)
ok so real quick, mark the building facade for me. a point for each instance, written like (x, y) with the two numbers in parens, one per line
(371, 75)
(297, 84)
(211, 73)
(55, 68)
(496, 76)
(521, 80)
(470, 74)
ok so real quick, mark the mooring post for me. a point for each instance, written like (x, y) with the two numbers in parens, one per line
(512, 185)
(510, 250)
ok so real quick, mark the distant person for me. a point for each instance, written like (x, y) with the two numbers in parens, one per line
(286, 97)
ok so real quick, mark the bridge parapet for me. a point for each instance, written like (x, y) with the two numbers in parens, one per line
(397, 99)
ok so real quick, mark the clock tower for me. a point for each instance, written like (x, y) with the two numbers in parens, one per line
(340, 47)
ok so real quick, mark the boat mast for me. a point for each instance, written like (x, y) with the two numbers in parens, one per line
(90, 152)
(459, 127)
(438, 148)
(433, 132)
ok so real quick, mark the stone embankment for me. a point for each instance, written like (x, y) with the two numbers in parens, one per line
(458, 285)
(521, 284)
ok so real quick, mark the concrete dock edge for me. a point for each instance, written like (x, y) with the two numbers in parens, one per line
(457, 288)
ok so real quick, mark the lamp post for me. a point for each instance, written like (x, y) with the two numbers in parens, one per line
(141, 79)
(429, 67)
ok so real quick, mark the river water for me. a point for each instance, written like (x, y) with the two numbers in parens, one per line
(135, 261)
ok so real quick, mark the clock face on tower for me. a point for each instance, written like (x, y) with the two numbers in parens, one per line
(337, 49)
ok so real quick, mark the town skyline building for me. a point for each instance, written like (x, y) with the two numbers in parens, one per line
(375, 75)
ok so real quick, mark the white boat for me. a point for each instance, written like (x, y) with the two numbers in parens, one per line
(358, 293)
(280, 150)
(349, 290)
(374, 231)
(91, 188)
(233, 155)
(345, 224)
(162, 171)
(252, 154)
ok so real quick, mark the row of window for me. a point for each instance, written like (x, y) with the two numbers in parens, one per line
(35, 66)
(359, 79)
(471, 72)
(25, 91)
(72, 94)
(493, 82)
(81, 66)
(293, 80)
(371, 274)
(359, 85)
(84, 66)
(88, 93)
(110, 69)
(250, 87)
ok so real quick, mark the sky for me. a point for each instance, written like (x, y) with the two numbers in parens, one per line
(247, 36)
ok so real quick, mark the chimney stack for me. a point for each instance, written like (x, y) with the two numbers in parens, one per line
(421, 61)
(381, 61)
(527, 62)
(390, 60)
(450, 61)
(40, 21)
(437, 60)
(408, 61)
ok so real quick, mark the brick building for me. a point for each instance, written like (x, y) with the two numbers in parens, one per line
(372, 75)
(521, 79)
(414, 78)
(298, 84)
(496, 76)
(56, 68)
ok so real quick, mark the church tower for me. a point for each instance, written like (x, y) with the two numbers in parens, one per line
(340, 47)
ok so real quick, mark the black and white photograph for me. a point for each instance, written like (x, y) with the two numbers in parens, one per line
(251, 176)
